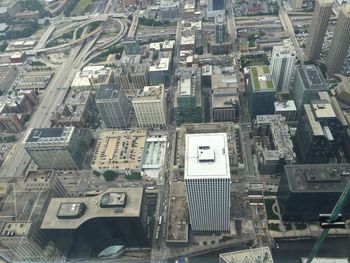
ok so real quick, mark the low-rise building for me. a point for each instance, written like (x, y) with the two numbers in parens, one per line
(33, 80)
(225, 99)
(177, 234)
(188, 42)
(160, 72)
(11, 122)
(90, 75)
(169, 10)
(119, 151)
(274, 145)
(8, 75)
(75, 111)
(154, 156)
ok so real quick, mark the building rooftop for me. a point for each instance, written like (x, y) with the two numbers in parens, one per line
(206, 156)
(256, 255)
(280, 138)
(317, 177)
(261, 78)
(107, 91)
(187, 40)
(317, 110)
(233, 137)
(224, 91)
(177, 230)
(322, 109)
(286, 50)
(150, 93)
(130, 59)
(346, 9)
(327, 260)
(21, 206)
(74, 107)
(207, 70)
(72, 212)
(185, 87)
(163, 65)
(48, 136)
(137, 69)
(3, 27)
(154, 155)
(90, 75)
(119, 150)
(288, 105)
(312, 77)
(11, 229)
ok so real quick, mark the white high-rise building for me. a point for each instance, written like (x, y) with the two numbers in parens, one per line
(207, 181)
(282, 65)
(150, 106)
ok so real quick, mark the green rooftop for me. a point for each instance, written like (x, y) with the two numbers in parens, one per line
(261, 78)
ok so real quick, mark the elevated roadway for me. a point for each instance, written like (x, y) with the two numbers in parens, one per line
(134, 24)
(18, 159)
(287, 25)
(73, 42)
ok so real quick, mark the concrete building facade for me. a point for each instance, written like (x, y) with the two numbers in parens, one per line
(308, 82)
(113, 106)
(339, 47)
(282, 65)
(188, 101)
(261, 91)
(150, 106)
(57, 148)
(207, 181)
(322, 13)
(316, 137)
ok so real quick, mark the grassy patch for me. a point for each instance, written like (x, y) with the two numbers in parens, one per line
(288, 226)
(300, 226)
(96, 173)
(110, 175)
(117, 50)
(274, 227)
(7, 139)
(268, 193)
(269, 84)
(268, 205)
(80, 7)
(266, 70)
(133, 176)
(254, 60)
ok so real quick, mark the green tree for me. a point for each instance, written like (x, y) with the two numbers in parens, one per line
(110, 175)
(133, 176)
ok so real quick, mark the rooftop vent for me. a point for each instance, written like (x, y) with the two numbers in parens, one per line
(205, 154)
